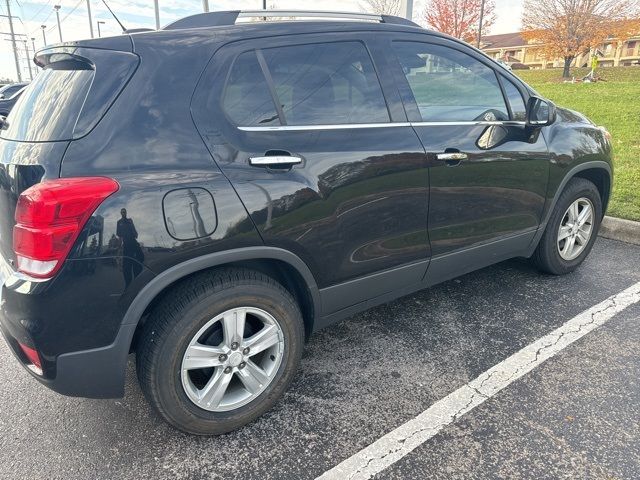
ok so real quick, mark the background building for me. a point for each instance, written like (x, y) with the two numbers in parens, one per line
(513, 49)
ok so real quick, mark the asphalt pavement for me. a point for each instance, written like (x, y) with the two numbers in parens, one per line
(574, 416)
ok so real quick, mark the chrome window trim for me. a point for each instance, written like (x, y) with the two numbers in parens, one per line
(347, 126)
(482, 122)
(343, 126)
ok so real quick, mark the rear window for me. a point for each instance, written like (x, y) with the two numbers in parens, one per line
(49, 108)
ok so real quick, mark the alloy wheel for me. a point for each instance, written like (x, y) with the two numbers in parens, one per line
(232, 359)
(575, 229)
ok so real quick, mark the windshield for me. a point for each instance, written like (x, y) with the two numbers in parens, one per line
(49, 107)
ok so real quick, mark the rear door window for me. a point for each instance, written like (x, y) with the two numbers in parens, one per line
(49, 108)
(247, 99)
(450, 86)
(327, 83)
(313, 84)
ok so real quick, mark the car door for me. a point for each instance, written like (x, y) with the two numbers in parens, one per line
(326, 165)
(488, 170)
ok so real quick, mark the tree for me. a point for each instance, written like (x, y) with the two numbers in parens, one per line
(459, 18)
(567, 28)
(383, 7)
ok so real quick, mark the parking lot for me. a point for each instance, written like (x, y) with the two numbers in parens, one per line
(574, 416)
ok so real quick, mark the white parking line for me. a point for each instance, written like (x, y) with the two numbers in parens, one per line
(396, 444)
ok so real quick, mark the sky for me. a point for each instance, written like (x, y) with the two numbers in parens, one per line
(139, 13)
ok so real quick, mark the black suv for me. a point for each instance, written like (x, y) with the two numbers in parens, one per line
(209, 195)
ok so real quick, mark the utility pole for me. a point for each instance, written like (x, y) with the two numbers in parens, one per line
(90, 20)
(406, 9)
(409, 12)
(26, 49)
(205, 5)
(13, 41)
(44, 34)
(57, 9)
(99, 22)
(264, 4)
(157, 8)
(480, 24)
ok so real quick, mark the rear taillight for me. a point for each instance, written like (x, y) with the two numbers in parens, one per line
(49, 218)
(32, 356)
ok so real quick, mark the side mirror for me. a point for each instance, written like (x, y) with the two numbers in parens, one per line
(540, 112)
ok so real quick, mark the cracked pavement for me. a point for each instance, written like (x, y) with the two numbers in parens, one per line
(573, 416)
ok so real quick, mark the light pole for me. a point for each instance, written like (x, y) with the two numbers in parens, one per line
(480, 24)
(406, 9)
(44, 34)
(205, 5)
(26, 49)
(90, 20)
(33, 44)
(157, 9)
(57, 9)
(99, 22)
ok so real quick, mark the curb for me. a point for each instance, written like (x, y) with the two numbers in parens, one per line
(619, 229)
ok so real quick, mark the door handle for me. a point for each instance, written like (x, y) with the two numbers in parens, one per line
(452, 158)
(274, 161)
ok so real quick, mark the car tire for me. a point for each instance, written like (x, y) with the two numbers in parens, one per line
(178, 326)
(555, 254)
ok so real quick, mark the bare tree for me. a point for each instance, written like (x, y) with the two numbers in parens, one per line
(382, 7)
(567, 28)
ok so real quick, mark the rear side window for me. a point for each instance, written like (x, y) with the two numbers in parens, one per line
(49, 108)
(516, 102)
(247, 99)
(315, 84)
(450, 86)
(330, 83)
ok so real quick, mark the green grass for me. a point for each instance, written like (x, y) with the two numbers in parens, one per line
(614, 104)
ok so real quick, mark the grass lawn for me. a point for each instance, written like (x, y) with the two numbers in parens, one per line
(614, 104)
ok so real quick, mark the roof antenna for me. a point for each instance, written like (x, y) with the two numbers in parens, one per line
(114, 16)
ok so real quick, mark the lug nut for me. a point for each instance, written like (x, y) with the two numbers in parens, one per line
(222, 357)
(228, 370)
(242, 365)
(246, 351)
(234, 346)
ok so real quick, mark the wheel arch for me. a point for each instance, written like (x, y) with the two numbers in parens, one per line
(597, 171)
(282, 265)
(601, 178)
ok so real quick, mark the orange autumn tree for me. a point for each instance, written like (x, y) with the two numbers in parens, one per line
(567, 28)
(459, 18)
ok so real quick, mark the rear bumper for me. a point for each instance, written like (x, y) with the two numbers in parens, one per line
(95, 373)
(74, 322)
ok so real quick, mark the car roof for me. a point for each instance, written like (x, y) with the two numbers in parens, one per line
(209, 25)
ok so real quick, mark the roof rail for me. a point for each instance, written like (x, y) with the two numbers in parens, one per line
(217, 19)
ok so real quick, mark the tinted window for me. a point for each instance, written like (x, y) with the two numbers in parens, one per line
(246, 99)
(450, 86)
(331, 83)
(516, 102)
(9, 91)
(49, 108)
